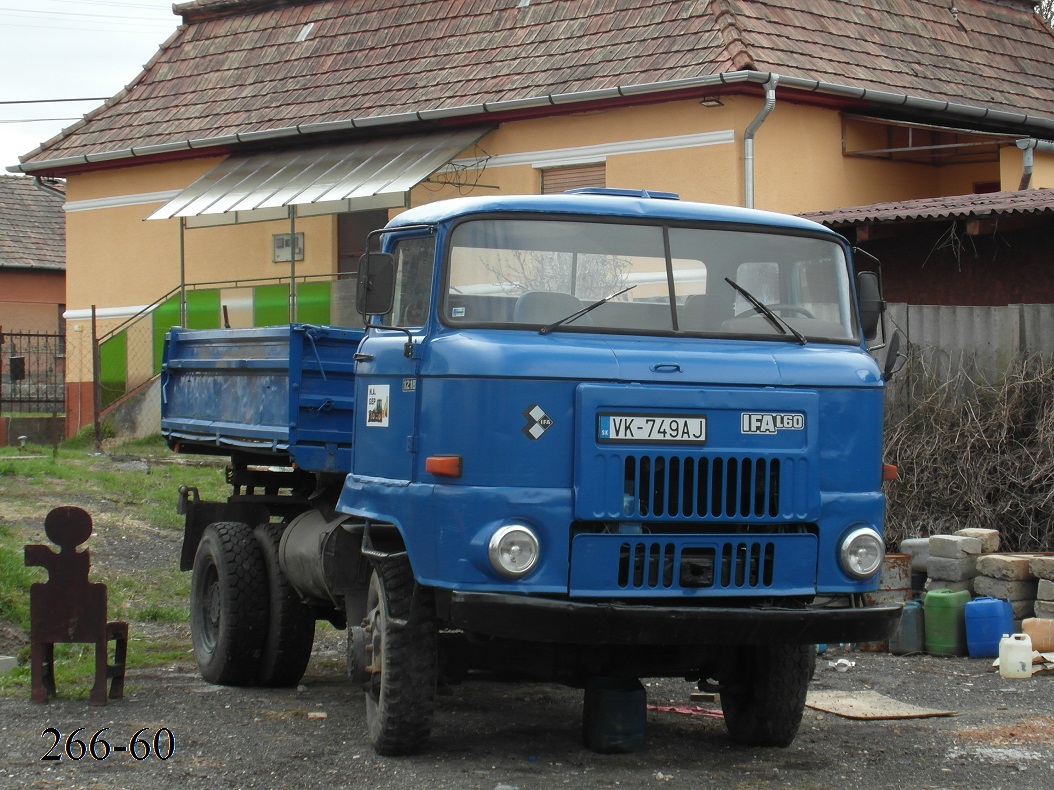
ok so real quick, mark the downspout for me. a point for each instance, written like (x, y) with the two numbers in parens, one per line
(38, 182)
(748, 139)
(1027, 147)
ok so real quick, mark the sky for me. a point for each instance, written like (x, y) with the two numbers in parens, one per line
(69, 49)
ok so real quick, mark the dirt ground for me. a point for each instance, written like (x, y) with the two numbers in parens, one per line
(491, 735)
(499, 736)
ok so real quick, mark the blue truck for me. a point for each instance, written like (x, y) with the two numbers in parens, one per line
(586, 438)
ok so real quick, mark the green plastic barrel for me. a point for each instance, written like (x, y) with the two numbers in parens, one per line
(946, 622)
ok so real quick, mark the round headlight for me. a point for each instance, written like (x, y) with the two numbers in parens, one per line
(513, 551)
(862, 553)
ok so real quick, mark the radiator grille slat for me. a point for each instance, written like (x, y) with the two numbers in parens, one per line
(733, 566)
(660, 486)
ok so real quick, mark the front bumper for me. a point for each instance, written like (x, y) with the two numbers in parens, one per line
(568, 622)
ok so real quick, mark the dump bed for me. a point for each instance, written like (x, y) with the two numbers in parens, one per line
(274, 391)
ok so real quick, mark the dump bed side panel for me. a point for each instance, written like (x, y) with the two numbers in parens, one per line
(272, 390)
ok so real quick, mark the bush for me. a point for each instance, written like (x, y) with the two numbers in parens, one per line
(973, 453)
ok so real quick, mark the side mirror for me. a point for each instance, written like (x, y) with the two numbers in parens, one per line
(376, 284)
(871, 303)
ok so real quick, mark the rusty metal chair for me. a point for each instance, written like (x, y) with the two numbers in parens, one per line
(69, 608)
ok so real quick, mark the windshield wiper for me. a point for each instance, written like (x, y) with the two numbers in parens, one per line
(576, 315)
(777, 322)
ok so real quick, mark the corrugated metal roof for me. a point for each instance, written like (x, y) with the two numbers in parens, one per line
(241, 68)
(320, 180)
(990, 204)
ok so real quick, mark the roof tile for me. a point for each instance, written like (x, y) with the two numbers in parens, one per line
(32, 226)
(237, 65)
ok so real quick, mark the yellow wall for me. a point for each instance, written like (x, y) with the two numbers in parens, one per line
(115, 257)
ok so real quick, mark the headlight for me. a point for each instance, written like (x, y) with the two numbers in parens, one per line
(513, 551)
(862, 553)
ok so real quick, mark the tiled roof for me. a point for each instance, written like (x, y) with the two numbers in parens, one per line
(32, 226)
(991, 204)
(252, 66)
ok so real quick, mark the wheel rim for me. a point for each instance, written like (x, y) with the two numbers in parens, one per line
(376, 621)
(210, 609)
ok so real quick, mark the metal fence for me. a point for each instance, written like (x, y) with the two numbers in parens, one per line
(32, 372)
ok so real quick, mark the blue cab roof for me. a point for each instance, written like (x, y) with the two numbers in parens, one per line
(610, 203)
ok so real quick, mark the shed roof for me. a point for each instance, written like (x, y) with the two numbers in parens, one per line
(238, 71)
(989, 205)
(32, 226)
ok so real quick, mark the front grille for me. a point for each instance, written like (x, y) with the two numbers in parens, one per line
(668, 486)
(733, 565)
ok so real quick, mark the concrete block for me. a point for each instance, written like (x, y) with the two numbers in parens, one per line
(919, 549)
(1010, 590)
(1012, 567)
(7, 663)
(937, 584)
(953, 546)
(1045, 590)
(1023, 609)
(1045, 609)
(989, 538)
(948, 570)
(1042, 567)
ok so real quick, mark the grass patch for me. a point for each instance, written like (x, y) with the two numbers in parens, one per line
(130, 492)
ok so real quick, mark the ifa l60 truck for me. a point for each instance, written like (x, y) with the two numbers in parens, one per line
(588, 438)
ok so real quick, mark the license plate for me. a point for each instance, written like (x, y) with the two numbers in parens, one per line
(651, 428)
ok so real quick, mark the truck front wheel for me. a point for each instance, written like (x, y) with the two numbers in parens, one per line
(401, 645)
(228, 604)
(764, 696)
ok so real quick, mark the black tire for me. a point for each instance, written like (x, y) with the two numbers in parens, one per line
(290, 622)
(228, 604)
(401, 641)
(764, 700)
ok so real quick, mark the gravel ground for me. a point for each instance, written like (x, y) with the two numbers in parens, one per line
(502, 736)
(499, 736)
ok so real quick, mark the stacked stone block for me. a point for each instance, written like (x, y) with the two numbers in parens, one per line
(1043, 569)
(952, 560)
(1008, 576)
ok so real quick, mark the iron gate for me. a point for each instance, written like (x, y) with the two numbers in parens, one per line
(32, 372)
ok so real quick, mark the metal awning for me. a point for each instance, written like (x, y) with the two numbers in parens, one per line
(329, 179)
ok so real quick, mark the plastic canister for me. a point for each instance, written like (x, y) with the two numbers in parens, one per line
(614, 715)
(945, 622)
(1015, 656)
(910, 634)
(1041, 631)
(987, 619)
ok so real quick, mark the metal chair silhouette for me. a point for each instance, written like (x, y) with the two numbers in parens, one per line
(69, 608)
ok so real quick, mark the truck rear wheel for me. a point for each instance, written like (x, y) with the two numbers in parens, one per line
(764, 699)
(401, 642)
(290, 622)
(228, 604)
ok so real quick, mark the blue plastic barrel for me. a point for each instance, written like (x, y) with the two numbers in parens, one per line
(987, 619)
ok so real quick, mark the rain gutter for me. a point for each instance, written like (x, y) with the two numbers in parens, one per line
(1029, 123)
(1027, 147)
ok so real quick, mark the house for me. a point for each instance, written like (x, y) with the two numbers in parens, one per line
(267, 137)
(32, 256)
(32, 300)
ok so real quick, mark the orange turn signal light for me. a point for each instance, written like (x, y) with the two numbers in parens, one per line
(889, 472)
(443, 465)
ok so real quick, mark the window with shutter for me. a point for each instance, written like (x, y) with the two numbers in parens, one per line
(561, 179)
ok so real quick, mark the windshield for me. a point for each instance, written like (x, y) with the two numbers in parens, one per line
(532, 273)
